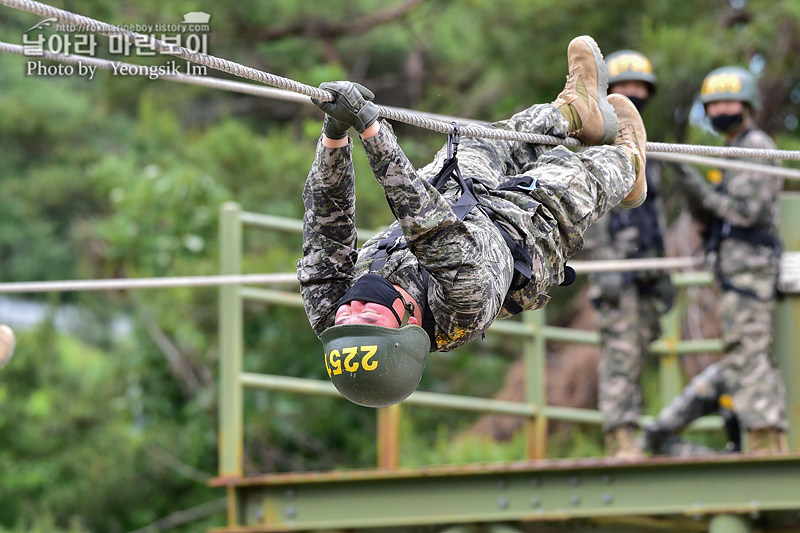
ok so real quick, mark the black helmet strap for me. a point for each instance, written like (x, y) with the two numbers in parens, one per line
(377, 289)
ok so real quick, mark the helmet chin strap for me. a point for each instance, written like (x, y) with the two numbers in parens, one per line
(408, 310)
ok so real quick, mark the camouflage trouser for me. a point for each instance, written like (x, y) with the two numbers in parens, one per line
(627, 326)
(746, 373)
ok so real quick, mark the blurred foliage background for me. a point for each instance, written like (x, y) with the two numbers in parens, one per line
(113, 429)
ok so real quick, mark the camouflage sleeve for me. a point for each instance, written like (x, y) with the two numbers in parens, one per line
(750, 197)
(329, 234)
(442, 243)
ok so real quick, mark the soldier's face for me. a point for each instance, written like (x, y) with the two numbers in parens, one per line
(635, 88)
(358, 312)
(724, 107)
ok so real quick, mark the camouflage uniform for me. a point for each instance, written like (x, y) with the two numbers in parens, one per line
(747, 271)
(470, 266)
(629, 304)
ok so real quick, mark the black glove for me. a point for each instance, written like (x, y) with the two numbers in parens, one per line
(351, 104)
(334, 129)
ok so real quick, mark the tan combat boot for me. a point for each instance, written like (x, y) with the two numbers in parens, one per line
(6, 344)
(621, 444)
(583, 101)
(767, 440)
(632, 138)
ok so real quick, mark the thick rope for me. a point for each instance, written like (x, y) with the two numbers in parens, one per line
(290, 278)
(203, 81)
(145, 283)
(243, 71)
(288, 96)
(723, 151)
(789, 173)
(413, 118)
(788, 282)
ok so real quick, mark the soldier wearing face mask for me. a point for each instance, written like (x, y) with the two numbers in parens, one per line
(629, 304)
(741, 214)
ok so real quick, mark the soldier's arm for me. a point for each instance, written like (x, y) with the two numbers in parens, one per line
(750, 196)
(329, 234)
(442, 243)
(748, 201)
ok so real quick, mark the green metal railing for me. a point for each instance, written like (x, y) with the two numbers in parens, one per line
(281, 505)
(532, 329)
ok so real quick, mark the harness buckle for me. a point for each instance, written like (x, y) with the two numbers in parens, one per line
(453, 139)
(530, 187)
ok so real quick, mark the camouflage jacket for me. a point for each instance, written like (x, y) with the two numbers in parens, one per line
(744, 199)
(469, 265)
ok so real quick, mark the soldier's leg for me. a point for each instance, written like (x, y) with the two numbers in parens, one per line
(581, 109)
(661, 437)
(755, 383)
(620, 398)
(699, 398)
(493, 161)
(578, 188)
(627, 327)
(575, 189)
(650, 309)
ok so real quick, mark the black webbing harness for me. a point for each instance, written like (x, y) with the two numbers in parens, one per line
(462, 207)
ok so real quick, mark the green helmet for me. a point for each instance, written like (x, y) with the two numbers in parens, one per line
(730, 83)
(629, 65)
(375, 366)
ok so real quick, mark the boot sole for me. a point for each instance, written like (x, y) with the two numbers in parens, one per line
(632, 204)
(606, 110)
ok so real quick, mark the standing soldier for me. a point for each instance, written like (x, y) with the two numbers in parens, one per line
(629, 304)
(741, 216)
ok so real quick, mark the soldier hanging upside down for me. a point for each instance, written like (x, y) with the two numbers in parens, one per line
(478, 237)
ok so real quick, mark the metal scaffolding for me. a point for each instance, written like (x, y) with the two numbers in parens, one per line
(724, 494)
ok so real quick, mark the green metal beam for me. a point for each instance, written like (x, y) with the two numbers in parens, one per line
(451, 401)
(231, 347)
(536, 491)
(786, 347)
(730, 524)
(288, 225)
(534, 352)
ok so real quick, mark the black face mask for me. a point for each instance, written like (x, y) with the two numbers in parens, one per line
(375, 289)
(723, 123)
(640, 103)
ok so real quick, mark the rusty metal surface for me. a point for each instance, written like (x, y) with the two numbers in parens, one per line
(493, 468)
(586, 495)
